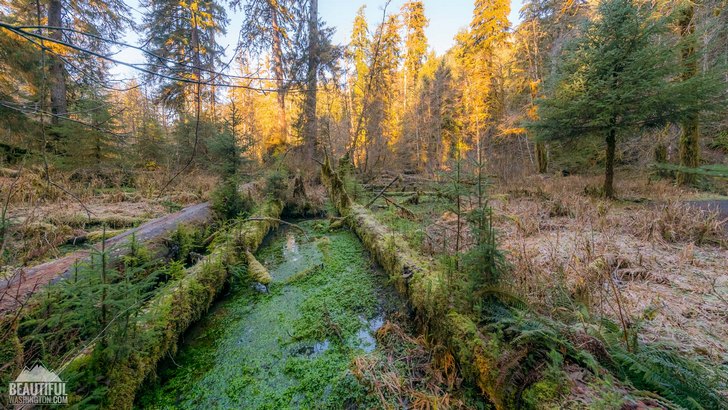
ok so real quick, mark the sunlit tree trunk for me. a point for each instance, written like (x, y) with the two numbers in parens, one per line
(278, 73)
(310, 125)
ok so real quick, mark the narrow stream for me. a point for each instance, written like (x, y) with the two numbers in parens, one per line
(291, 347)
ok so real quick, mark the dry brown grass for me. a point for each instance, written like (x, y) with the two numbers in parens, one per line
(41, 217)
(657, 262)
(405, 372)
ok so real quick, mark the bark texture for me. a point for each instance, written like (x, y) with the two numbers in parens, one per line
(59, 103)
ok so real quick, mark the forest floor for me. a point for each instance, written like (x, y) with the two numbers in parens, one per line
(654, 257)
(44, 223)
(26, 280)
(654, 260)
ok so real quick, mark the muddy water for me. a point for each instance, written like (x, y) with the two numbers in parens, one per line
(290, 347)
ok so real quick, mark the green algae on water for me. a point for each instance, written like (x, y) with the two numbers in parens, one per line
(289, 348)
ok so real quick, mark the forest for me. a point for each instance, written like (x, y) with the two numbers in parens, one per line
(221, 204)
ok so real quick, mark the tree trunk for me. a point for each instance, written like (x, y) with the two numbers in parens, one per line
(609, 174)
(689, 139)
(689, 149)
(310, 125)
(542, 161)
(59, 103)
(211, 67)
(278, 73)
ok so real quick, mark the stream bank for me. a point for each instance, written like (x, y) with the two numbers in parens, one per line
(291, 346)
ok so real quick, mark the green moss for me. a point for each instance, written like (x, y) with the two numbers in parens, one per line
(179, 304)
(11, 354)
(340, 294)
(544, 394)
(258, 272)
(289, 348)
(97, 236)
(423, 284)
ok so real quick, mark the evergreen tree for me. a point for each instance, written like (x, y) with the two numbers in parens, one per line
(310, 125)
(95, 144)
(384, 109)
(544, 25)
(617, 77)
(79, 23)
(476, 54)
(415, 49)
(181, 35)
(358, 55)
(415, 22)
(436, 110)
(269, 26)
(489, 26)
(138, 118)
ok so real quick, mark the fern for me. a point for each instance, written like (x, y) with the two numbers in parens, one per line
(685, 382)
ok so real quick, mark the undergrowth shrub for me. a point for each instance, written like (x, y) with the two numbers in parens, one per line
(98, 302)
(542, 345)
(660, 368)
(276, 183)
(720, 142)
(228, 202)
(485, 263)
(675, 222)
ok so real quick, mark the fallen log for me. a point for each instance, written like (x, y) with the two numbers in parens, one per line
(25, 281)
(256, 270)
(382, 192)
(94, 236)
(410, 193)
(84, 221)
(483, 360)
(409, 214)
(177, 306)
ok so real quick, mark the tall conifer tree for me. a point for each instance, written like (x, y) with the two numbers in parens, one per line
(618, 77)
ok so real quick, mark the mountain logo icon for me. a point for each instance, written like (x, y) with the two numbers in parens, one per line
(37, 386)
(39, 374)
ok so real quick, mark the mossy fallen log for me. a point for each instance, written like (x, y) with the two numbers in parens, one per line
(31, 279)
(423, 284)
(11, 355)
(83, 221)
(177, 306)
(93, 236)
(256, 270)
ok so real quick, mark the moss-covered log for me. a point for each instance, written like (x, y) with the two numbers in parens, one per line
(179, 305)
(11, 355)
(479, 357)
(256, 270)
(29, 280)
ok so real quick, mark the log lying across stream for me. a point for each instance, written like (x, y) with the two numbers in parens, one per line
(20, 286)
(180, 304)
